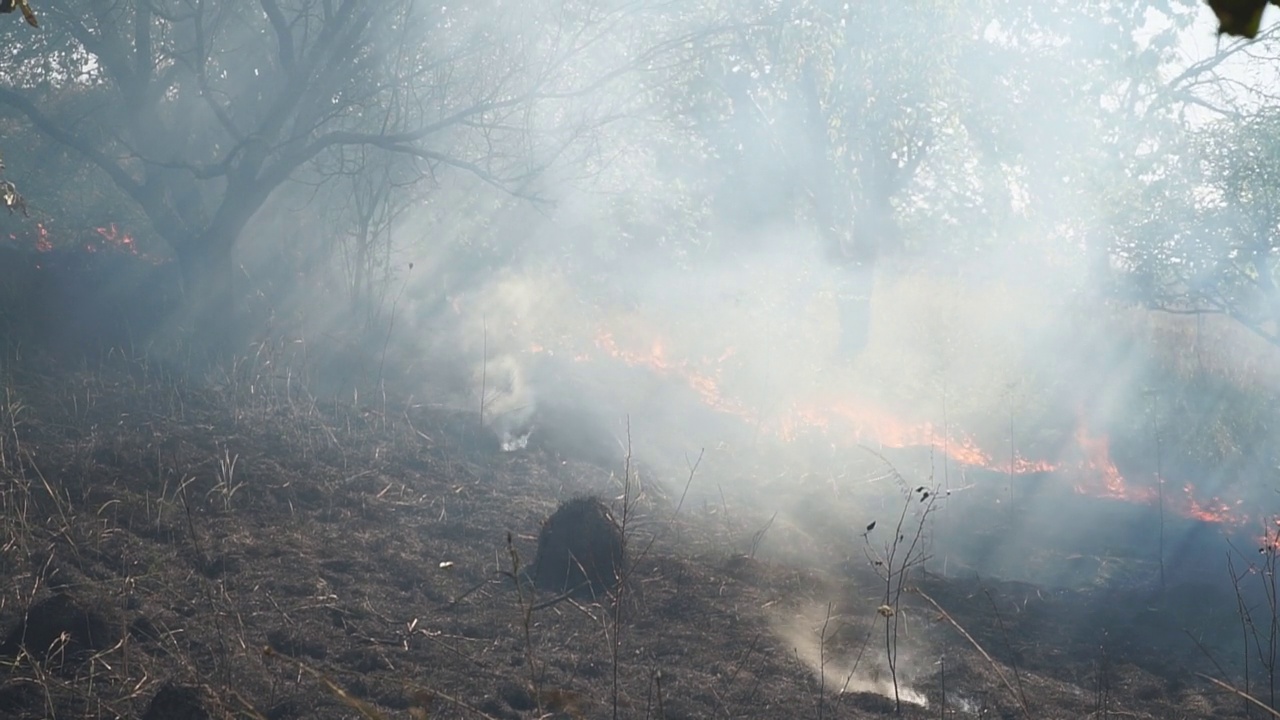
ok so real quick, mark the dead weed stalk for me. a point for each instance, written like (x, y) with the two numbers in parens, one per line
(895, 559)
(1017, 696)
(1249, 699)
(526, 622)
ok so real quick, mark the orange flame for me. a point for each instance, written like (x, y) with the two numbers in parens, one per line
(1269, 541)
(1099, 466)
(43, 243)
(705, 385)
(1025, 466)
(864, 423)
(1100, 476)
(1215, 511)
(120, 240)
(1096, 473)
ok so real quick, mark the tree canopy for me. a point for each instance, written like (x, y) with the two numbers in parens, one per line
(821, 115)
(197, 112)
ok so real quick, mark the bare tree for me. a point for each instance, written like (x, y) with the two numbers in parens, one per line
(199, 109)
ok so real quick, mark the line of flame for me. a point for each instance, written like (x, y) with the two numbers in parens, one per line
(1096, 473)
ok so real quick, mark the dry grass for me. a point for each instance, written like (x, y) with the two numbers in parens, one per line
(183, 525)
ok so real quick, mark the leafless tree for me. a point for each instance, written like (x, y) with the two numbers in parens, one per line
(199, 109)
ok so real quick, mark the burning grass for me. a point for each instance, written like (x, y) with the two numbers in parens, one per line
(944, 383)
(159, 532)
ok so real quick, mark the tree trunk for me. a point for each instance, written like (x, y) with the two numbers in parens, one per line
(211, 313)
(853, 301)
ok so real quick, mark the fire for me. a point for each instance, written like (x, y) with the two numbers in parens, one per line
(1091, 466)
(1269, 541)
(1214, 511)
(1024, 466)
(122, 241)
(1108, 482)
(112, 238)
(1099, 474)
(43, 243)
(864, 423)
(706, 385)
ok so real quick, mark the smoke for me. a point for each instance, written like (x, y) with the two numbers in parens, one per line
(508, 403)
(677, 294)
(854, 668)
(811, 240)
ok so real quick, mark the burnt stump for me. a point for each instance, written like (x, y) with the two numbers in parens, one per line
(580, 549)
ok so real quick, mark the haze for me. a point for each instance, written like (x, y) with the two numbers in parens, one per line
(1024, 254)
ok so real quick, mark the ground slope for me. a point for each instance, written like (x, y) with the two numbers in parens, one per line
(159, 535)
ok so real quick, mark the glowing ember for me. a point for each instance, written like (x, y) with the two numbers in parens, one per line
(120, 240)
(43, 243)
(113, 238)
(1269, 541)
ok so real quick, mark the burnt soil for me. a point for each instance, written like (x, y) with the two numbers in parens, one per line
(240, 548)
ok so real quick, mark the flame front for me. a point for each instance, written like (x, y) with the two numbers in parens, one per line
(1098, 472)
(854, 422)
(705, 385)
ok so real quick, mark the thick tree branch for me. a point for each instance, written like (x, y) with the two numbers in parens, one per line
(350, 21)
(197, 62)
(46, 125)
(144, 56)
(284, 35)
(197, 170)
(1214, 306)
(1178, 89)
(399, 143)
(108, 46)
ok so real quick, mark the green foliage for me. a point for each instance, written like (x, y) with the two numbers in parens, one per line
(830, 115)
(1202, 234)
(824, 111)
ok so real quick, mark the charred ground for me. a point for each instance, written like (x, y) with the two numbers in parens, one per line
(160, 533)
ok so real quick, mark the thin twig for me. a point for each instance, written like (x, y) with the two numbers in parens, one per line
(1000, 621)
(965, 633)
(1242, 694)
(484, 362)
